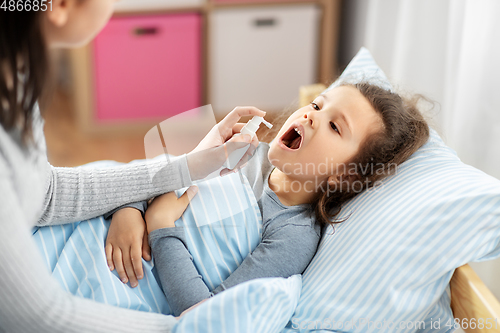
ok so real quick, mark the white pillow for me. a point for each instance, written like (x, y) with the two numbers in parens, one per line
(260, 305)
(392, 259)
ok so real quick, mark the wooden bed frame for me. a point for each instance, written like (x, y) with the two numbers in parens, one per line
(470, 298)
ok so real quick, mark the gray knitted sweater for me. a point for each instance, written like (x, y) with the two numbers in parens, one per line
(32, 192)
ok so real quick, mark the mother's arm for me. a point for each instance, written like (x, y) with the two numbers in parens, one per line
(32, 301)
(75, 194)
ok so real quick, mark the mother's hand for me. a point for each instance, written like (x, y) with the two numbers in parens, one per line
(219, 143)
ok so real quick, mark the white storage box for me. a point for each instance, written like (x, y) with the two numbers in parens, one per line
(140, 5)
(261, 55)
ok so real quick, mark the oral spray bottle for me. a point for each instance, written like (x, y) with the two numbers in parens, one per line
(250, 128)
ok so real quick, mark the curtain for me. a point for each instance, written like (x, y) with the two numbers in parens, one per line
(448, 50)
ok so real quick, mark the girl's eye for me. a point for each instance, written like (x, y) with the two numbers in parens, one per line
(315, 106)
(334, 127)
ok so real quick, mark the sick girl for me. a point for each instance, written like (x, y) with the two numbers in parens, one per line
(359, 131)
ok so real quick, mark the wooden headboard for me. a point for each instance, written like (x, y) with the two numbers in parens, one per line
(470, 298)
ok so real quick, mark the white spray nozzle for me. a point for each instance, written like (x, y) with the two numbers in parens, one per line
(253, 125)
(250, 128)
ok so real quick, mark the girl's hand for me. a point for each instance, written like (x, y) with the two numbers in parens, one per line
(167, 208)
(213, 150)
(127, 240)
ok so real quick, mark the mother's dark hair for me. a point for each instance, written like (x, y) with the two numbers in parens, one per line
(24, 68)
(404, 131)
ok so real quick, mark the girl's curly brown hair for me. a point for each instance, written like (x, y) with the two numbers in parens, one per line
(404, 131)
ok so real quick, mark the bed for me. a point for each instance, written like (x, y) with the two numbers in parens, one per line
(399, 257)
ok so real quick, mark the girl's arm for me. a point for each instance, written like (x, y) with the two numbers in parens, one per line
(127, 244)
(283, 253)
(285, 250)
(287, 247)
(182, 284)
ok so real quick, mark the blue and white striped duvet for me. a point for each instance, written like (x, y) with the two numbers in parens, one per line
(222, 223)
(75, 255)
(256, 306)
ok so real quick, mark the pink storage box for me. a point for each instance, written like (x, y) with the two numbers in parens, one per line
(147, 67)
(255, 1)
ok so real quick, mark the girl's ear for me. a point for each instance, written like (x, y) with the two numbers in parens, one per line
(342, 178)
(59, 14)
(332, 180)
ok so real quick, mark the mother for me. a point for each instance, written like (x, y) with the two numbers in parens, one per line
(32, 192)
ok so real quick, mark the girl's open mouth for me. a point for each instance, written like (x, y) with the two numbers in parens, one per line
(293, 138)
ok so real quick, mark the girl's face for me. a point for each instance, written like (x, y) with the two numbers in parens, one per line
(317, 141)
(73, 23)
